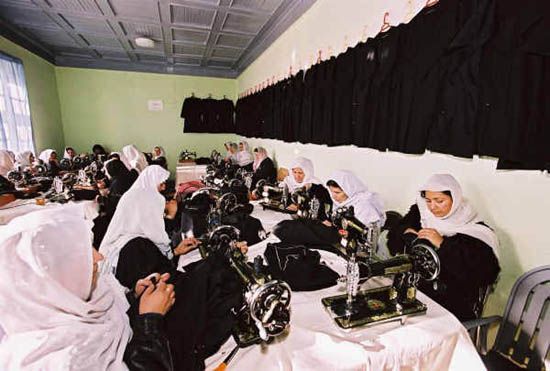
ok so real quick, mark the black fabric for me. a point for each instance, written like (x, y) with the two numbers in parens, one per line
(208, 115)
(6, 186)
(322, 103)
(311, 233)
(149, 348)
(299, 266)
(266, 171)
(467, 264)
(496, 362)
(344, 73)
(251, 228)
(201, 319)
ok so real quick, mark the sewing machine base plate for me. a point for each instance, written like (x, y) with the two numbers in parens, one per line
(276, 206)
(370, 307)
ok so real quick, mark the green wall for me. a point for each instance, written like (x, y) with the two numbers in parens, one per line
(110, 107)
(43, 97)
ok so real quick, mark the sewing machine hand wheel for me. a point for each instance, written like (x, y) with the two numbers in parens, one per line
(425, 260)
(270, 308)
(227, 202)
(222, 237)
(15, 176)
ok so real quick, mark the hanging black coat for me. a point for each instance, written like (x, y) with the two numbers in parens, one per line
(322, 103)
(344, 74)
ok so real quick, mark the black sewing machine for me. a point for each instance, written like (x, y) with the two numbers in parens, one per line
(265, 312)
(186, 156)
(308, 207)
(395, 302)
(273, 197)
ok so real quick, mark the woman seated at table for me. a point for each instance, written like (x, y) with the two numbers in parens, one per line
(69, 153)
(466, 246)
(346, 190)
(98, 150)
(58, 312)
(137, 244)
(263, 167)
(120, 180)
(244, 157)
(49, 158)
(159, 157)
(303, 176)
(24, 160)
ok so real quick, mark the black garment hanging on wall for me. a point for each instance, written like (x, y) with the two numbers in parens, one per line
(344, 73)
(208, 115)
(321, 116)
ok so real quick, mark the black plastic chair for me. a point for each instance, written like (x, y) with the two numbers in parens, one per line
(523, 337)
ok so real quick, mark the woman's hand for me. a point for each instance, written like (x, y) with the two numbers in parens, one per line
(431, 235)
(410, 230)
(328, 223)
(252, 196)
(186, 245)
(243, 246)
(171, 209)
(292, 207)
(143, 283)
(157, 298)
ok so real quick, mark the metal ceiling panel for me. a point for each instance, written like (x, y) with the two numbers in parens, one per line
(89, 25)
(142, 30)
(234, 41)
(192, 16)
(190, 36)
(144, 9)
(197, 37)
(85, 6)
(243, 23)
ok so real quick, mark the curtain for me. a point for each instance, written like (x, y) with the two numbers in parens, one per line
(15, 117)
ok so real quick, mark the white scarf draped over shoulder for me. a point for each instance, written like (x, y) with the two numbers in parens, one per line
(461, 219)
(306, 166)
(23, 159)
(368, 206)
(51, 319)
(133, 158)
(139, 213)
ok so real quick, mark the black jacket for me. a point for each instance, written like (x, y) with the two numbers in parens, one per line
(467, 264)
(266, 171)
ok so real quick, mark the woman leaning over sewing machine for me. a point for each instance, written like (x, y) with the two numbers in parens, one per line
(263, 167)
(302, 176)
(137, 243)
(466, 246)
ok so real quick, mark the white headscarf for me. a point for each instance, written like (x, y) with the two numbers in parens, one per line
(134, 158)
(23, 159)
(162, 152)
(139, 213)
(309, 175)
(461, 219)
(260, 155)
(368, 206)
(50, 320)
(45, 155)
(66, 154)
(244, 157)
(6, 163)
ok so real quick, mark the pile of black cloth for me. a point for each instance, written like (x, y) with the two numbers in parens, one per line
(299, 266)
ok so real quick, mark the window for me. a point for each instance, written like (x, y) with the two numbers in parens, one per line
(15, 116)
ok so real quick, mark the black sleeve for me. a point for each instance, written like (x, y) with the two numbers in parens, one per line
(170, 225)
(149, 349)
(325, 207)
(468, 262)
(396, 240)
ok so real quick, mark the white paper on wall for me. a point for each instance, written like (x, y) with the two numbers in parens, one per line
(155, 105)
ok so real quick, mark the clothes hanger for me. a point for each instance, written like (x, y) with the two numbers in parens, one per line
(385, 23)
(430, 3)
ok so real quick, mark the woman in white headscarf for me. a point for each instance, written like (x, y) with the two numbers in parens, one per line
(346, 189)
(6, 163)
(302, 176)
(467, 248)
(244, 157)
(69, 153)
(159, 157)
(24, 160)
(49, 158)
(133, 158)
(58, 313)
(263, 168)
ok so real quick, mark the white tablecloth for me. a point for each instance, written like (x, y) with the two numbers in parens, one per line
(22, 207)
(435, 341)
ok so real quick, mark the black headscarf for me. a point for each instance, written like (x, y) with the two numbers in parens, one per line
(121, 178)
